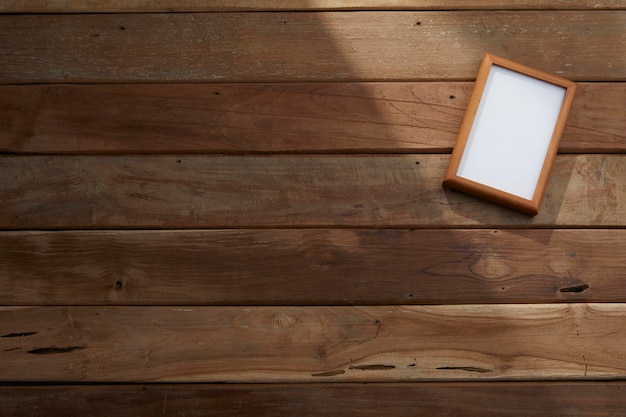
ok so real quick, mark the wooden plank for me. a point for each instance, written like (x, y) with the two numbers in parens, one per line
(595, 127)
(298, 344)
(311, 267)
(231, 118)
(463, 399)
(334, 46)
(195, 191)
(82, 6)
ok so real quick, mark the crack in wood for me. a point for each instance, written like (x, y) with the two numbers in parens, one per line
(54, 350)
(575, 288)
(464, 368)
(24, 334)
(330, 373)
(378, 326)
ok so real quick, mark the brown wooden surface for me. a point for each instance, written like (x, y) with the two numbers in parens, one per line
(299, 344)
(69, 192)
(465, 399)
(334, 46)
(309, 267)
(82, 6)
(333, 246)
(235, 118)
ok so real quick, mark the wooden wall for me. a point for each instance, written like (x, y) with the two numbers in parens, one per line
(236, 209)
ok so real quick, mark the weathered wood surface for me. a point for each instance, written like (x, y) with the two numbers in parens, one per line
(121, 6)
(234, 118)
(311, 267)
(197, 191)
(458, 399)
(177, 305)
(274, 344)
(334, 46)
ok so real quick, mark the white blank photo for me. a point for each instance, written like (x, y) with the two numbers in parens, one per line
(511, 133)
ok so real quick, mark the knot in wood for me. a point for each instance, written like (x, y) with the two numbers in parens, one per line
(281, 320)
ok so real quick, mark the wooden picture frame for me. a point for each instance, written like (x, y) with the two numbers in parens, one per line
(510, 134)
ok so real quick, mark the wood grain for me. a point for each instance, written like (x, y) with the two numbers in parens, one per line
(82, 6)
(460, 399)
(281, 344)
(311, 267)
(281, 118)
(194, 191)
(334, 46)
(300, 237)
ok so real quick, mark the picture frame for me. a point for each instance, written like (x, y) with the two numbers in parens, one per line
(510, 134)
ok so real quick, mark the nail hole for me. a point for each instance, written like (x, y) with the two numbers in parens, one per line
(418, 23)
(118, 286)
(122, 27)
(452, 97)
